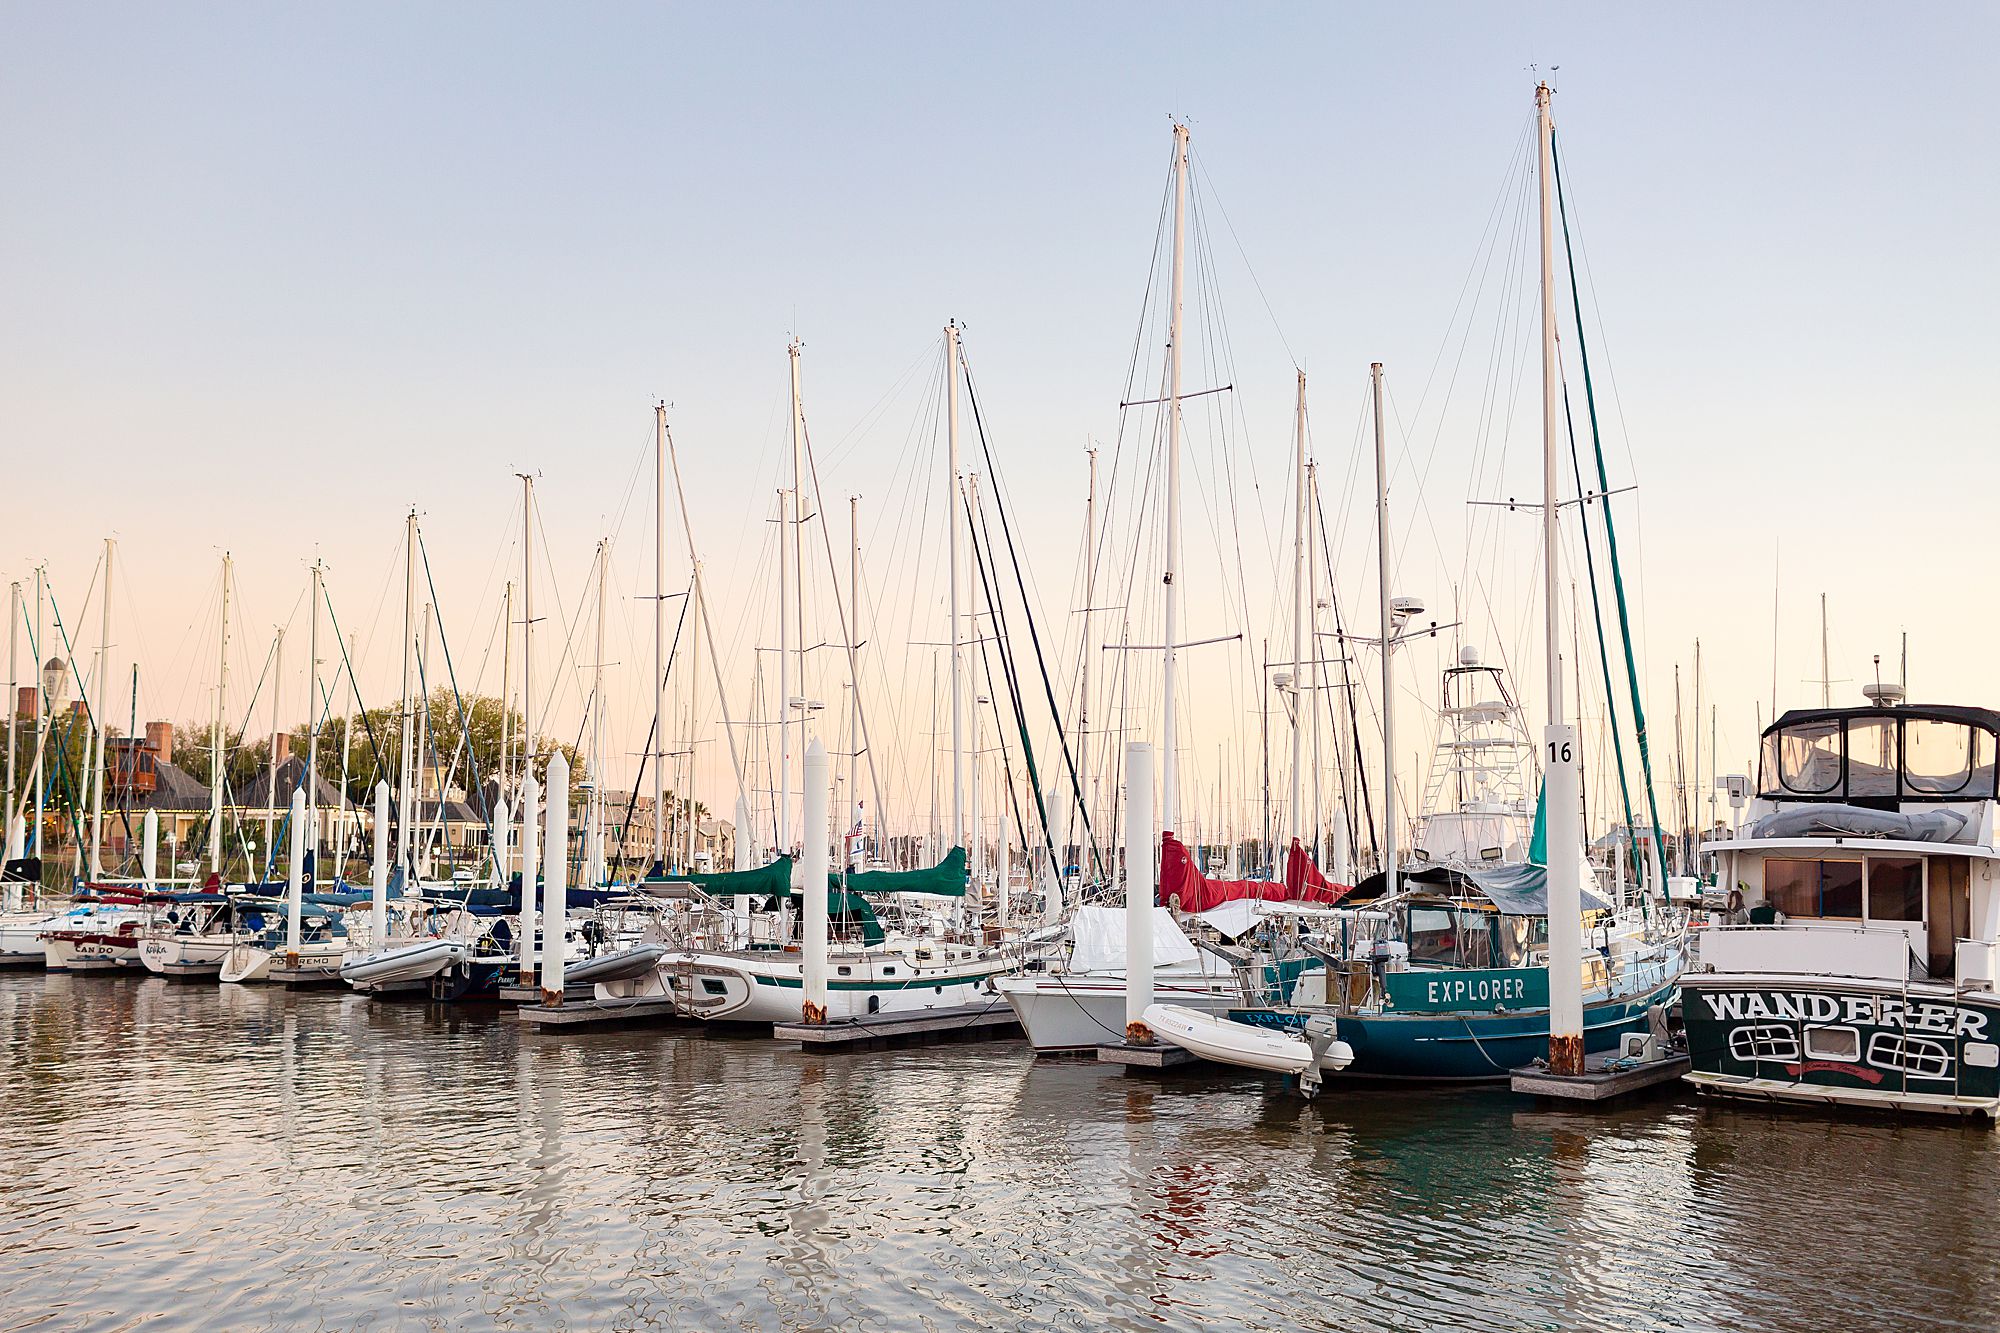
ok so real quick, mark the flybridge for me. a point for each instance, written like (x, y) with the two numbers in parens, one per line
(1880, 756)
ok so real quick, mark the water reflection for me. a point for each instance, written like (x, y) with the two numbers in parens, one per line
(195, 1157)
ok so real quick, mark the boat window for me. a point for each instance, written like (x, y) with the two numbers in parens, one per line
(1833, 1044)
(1871, 756)
(1895, 888)
(1476, 939)
(1433, 935)
(1938, 757)
(710, 986)
(1813, 888)
(1807, 757)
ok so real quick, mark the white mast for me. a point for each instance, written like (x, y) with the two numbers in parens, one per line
(1387, 625)
(312, 721)
(13, 711)
(1299, 520)
(660, 636)
(853, 664)
(216, 737)
(1311, 665)
(1561, 784)
(404, 806)
(1089, 651)
(531, 866)
(977, 812)
(506, 692)
(271, 767)
(1169, 760)
(787, 544)
(957, 575)
(101, 716)
(594, 826)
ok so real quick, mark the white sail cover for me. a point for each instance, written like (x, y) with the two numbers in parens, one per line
(1099, 933)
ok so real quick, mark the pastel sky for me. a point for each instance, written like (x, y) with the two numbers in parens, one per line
(273, 275)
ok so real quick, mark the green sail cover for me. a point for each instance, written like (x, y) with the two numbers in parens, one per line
(947, 878)
(765, 880)
(1538, 842)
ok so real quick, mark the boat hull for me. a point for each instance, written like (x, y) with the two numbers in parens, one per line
(1843, 1042)
(408, 967)
(770, 987)
(1060, 1012)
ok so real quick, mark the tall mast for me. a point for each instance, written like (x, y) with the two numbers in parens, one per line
(1169, 758)
(1562, 776)
(506, 694)
(594, 838)
(13, 703)
(527, 632)
(1299, 530)
(660, 636)
(271, 767)
(217, 736)
(99, 716)
(953, 509)
(1388, 630)
(405, 817)
(1825, 672)
(1089, 652)
(312, 722)
(788, 517)
(1310, 666)
(853, 662)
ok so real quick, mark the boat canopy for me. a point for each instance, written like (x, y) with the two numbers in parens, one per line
(765, 881)
(1523, 889)
(1853, 821)
(1879, 756)
(1099, 936)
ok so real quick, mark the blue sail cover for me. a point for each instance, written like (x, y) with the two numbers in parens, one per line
(1523, 890)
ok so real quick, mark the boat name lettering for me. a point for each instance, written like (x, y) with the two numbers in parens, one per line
(1474, 990)
(1817, 1007)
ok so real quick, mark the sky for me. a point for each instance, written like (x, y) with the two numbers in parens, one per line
(275, 275)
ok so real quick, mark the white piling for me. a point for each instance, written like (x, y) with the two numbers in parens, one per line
(555, 870)
(1562, 801)
(745, 851)
(1140, 850)
(378, 871)
(813, 884)
(503, 845)
(295, 867)
(149, 850)
(531, 869)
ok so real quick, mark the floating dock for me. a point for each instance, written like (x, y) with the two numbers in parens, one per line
(589, 1012)
(1154, 1055)
(915, 1027)
(302, 978)
(527, 995)
(1605, 1078)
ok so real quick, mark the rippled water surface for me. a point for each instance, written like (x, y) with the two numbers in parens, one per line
(203, 1157)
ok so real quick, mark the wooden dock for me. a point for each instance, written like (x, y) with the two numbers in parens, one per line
(1153, 1055)
(1600, 1081)
(916, 1027)
(589, 1012)
(526, 995)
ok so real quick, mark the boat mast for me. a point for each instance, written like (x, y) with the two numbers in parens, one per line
(854, 667)
(99, 715)
(216, 737)
(1825, 672)
(594, 836)
(660, 638)
(1562, 778)
(1089, 652)
(788, 519)
(953, 505)
(1169, 759)
(13, 710)
(403, 801)
(506, 693)
(271, 766)
(310, 835)
(1387, 626)
(1298, 607)
(1311, 664)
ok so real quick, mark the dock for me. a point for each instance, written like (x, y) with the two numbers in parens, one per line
(1153, 1055)
(916, 1027)
(527, 995)
(589, 1012)
(1604, 1079)
(302, 978)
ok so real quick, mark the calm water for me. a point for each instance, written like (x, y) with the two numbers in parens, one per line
(195, 1157)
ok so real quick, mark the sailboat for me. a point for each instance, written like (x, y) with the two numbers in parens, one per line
(1473, 965)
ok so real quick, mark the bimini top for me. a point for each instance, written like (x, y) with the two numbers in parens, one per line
(1878, 757)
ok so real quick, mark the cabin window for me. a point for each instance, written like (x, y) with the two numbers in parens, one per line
(1813, 888)
(1833, 1044)
(1433, 935)
(1938, 757)
(1872, 762)
(1895, 888)
(1807, 757)
(710, 986)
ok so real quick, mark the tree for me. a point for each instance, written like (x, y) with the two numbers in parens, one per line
(377, 747)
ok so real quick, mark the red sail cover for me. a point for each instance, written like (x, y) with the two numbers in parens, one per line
(1182, 884)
